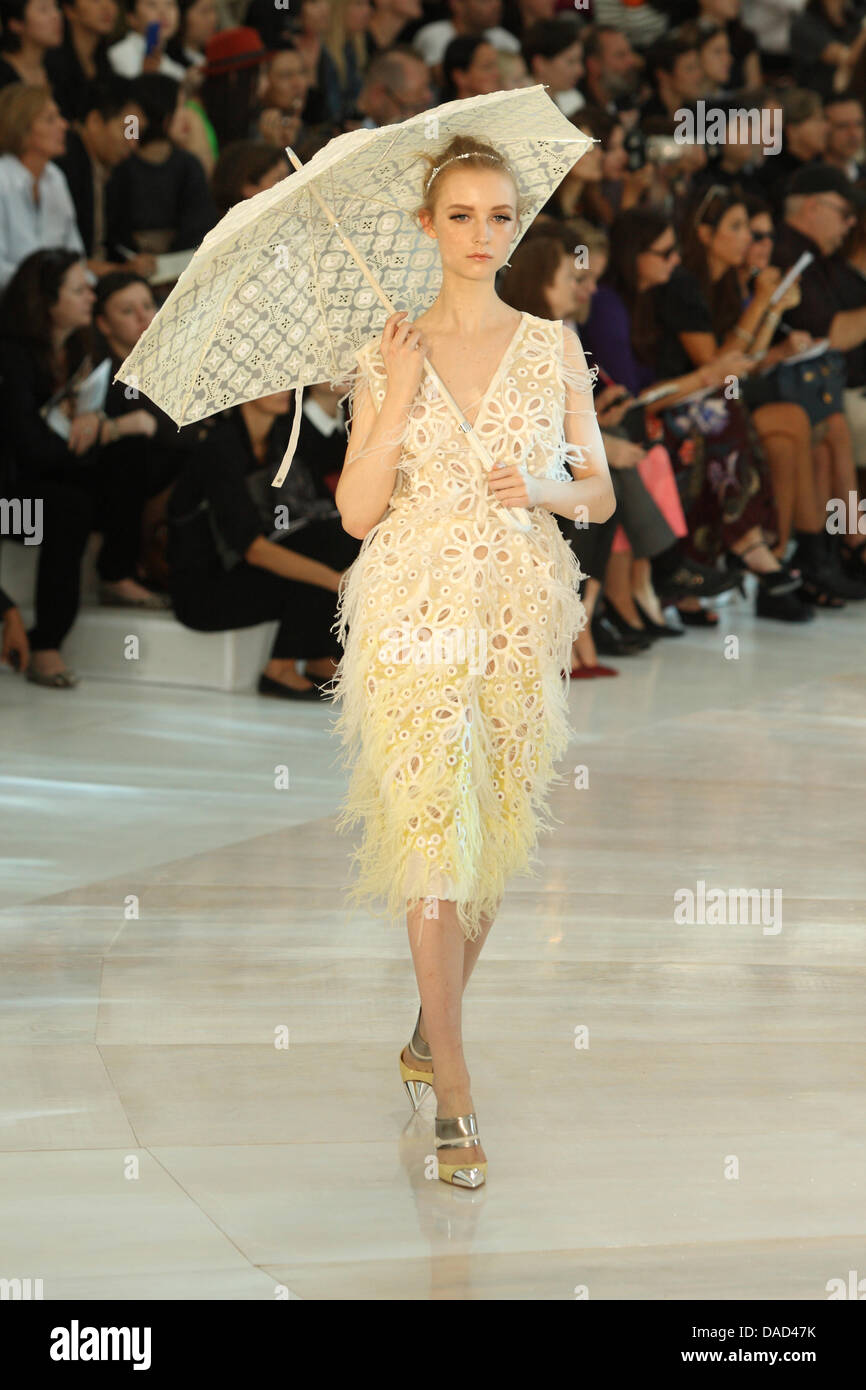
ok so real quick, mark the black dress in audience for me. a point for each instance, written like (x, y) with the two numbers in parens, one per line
(159, 207)
(69, 81)
(219, 505)
(101, 489)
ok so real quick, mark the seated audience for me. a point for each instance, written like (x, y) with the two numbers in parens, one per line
(129, 56)
(82, 56)
(30, 29)
(159, 197)
(388, 23)
(469, 19)
(36, 207)
(396, 86)
(470, 68)
(346, 43)
(95, 146)
(46, 341)
(553, 52)
(245, 168)
(232, 561)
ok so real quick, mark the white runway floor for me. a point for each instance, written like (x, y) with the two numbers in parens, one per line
(707, 1143)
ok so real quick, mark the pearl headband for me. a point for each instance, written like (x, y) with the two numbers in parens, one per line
(471, 154)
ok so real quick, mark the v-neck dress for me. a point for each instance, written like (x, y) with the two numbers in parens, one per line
(456, 629)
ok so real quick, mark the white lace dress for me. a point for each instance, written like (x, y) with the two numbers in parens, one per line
(456, 629)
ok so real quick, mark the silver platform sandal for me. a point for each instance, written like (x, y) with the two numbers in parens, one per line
(460, 1132)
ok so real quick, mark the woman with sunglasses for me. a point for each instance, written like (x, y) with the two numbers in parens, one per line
(656, 309)
(716, 245)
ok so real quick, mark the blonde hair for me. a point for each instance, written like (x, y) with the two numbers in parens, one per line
(337, 39)
(473, 154)
(20, 104)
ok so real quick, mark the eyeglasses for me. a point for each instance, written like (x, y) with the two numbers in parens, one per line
(763, 236)
(664, 255)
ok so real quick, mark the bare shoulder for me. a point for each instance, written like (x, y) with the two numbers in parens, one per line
(572, 347)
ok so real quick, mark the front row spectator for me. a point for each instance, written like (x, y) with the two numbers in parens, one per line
(36, 207)
(45, 336)
(227, 570)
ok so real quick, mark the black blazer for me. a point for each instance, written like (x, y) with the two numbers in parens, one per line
(78, 169)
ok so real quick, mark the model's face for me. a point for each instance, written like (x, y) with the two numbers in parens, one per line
(74, 304)
(717, 60)
(564, 71)
(474, 221)
(730, 239)
(655, 265)
(482, 75)
(845, 130)
(43, 24)
(761, 248)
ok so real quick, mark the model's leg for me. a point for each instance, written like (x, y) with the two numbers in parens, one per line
(438, 950)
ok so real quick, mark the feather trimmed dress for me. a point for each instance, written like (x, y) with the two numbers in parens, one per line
(456, 629)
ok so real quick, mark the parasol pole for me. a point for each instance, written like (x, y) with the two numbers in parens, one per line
(519, 515)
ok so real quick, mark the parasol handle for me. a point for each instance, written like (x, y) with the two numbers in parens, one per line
(519, 516)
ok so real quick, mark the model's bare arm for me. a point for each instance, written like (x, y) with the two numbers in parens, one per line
(376, 438)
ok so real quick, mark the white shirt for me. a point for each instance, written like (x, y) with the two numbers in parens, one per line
(127, 58)
(770, 22)
(26, 225)
(317, 415)
(431, 41)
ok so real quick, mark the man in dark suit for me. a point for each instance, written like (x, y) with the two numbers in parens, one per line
(106, 134)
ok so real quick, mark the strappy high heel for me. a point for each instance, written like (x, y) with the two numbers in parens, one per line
(460, 1132)
(417, 1083)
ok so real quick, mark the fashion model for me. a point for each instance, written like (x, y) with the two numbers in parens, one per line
(457, 618)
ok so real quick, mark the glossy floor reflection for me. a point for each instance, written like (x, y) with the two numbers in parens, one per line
(170, 917)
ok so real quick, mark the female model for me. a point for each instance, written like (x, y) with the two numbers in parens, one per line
(460, 619)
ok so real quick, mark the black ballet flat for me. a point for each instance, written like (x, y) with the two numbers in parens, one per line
(267, 686)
